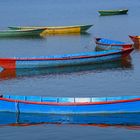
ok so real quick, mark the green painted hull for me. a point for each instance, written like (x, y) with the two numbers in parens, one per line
(21, 33)
(112, 12)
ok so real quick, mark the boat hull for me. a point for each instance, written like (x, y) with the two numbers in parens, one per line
(50, 105)
(64, 60)
(112, 12)
(21, 33)
(24, 119)
(59, 29)
(107, 44)
(135, 39)
(14, 73)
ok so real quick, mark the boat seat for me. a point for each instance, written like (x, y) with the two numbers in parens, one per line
(82, 99)
(34, 98)
(99, 99)
(63, 100)
(15, 97)
(49, 99)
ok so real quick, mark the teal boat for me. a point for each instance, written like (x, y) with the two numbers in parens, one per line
(112, 12)
(21, 33)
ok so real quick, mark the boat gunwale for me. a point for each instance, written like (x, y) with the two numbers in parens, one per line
(50, 27)
(71, 103)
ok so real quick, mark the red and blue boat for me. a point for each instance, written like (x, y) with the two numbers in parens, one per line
(70, 105)
(64, 60)
(123, 64)
(105, 44)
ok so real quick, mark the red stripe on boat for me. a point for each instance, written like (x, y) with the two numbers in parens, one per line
(72, 103)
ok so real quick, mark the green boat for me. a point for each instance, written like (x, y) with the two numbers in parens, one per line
(56, 29)
(112, 12)
(21, 33)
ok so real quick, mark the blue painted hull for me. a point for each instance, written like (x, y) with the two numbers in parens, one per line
(121, 64)
(108, 41)
(48, 105)
(84, 109)
(58, 63)
(63, 60)
(23, 119)
(107, 44)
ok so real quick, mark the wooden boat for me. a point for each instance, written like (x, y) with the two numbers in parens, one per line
(80, 69)
(21, 33)
(112, 12)
(135, 39)
(58, 29)
(63, 60)
(70, 105)
(130, 120)
(105, 44)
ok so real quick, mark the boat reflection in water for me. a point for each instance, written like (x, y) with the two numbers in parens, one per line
(129, 121)
(114, 65)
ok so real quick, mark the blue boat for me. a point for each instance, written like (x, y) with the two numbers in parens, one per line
(70, 105)
(64, 60)
(123, 64)
(130, 121)
(105, 44)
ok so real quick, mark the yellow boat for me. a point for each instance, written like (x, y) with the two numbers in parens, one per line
(56, 29)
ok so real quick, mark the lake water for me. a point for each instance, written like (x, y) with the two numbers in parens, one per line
(111, 79)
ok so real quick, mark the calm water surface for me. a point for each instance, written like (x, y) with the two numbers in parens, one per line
(111, 79)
